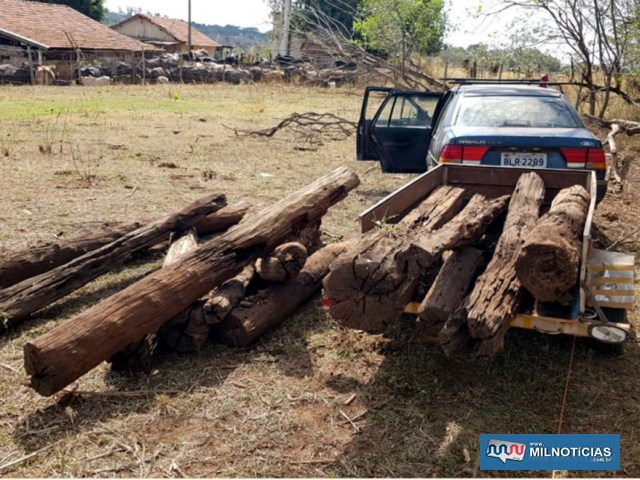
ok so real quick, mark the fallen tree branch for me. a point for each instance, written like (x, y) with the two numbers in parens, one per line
(627, 127)
(312, 127)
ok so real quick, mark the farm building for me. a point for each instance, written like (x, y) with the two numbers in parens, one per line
(36, 33)
(170, 34)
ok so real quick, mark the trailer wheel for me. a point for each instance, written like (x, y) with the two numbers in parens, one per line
(616, 315)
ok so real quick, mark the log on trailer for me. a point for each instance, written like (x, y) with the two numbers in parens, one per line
(369, 286)
(379, 250)
(245, 324)
(495, 298)
(21, 300)
(22, 264)
(448, 290)
(454, 334)
(549, 260)
(62, 355)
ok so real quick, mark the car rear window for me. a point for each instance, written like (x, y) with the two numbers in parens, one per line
(514, 111)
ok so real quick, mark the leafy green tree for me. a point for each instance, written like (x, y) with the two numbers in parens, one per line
(92, 8)
(400, 28)
(340, 12)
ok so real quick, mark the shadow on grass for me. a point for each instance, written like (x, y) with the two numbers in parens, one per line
(425, 412)
(286, 347)
(76, 413)
(373, 193)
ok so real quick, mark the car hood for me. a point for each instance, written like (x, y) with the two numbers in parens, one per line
(524, 136)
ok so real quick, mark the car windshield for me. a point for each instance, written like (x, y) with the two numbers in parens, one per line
(514, 111)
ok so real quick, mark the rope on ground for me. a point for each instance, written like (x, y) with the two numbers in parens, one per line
(565, 394)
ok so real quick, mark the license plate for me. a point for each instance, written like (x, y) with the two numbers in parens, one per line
(524, 159)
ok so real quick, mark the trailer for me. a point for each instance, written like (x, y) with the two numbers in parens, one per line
(606, 282)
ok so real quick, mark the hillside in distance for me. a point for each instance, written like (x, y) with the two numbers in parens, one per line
(242, 38)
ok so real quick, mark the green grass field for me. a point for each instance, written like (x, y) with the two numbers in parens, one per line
(278, 409)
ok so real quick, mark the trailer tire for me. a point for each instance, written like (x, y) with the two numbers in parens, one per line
(616, 315)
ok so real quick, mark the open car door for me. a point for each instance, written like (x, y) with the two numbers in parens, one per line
(373, 98)
(402, 128)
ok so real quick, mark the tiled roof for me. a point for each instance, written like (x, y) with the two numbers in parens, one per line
(178, 29)
(48, 25)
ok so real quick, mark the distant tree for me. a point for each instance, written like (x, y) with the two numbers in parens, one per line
(111, 17)
(92, 8)
(513, 56)
(402, 27)
(341, 12)
(599, 35)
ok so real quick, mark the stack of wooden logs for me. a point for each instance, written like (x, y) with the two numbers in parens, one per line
(489, 261)
(467, 259)
(232, 287)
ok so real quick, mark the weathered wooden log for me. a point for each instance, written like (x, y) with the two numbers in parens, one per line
(19, 265)
(309, 236)
(495, 298)
(438, 208)
(454, 335)
(138, 356)
(62, 355)
(178, 249)
(378, 249)
(245, 324)
(448, 290)
(369, 286)
(21, 300)
(283, 264)
(222, 220)
(549, 260)
(222, 300)
(189, 331)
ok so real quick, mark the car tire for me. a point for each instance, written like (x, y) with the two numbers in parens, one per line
(615, 315)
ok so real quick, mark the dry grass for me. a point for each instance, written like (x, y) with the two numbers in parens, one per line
(279, 408)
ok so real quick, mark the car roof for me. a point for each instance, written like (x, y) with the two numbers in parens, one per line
(506, 89)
